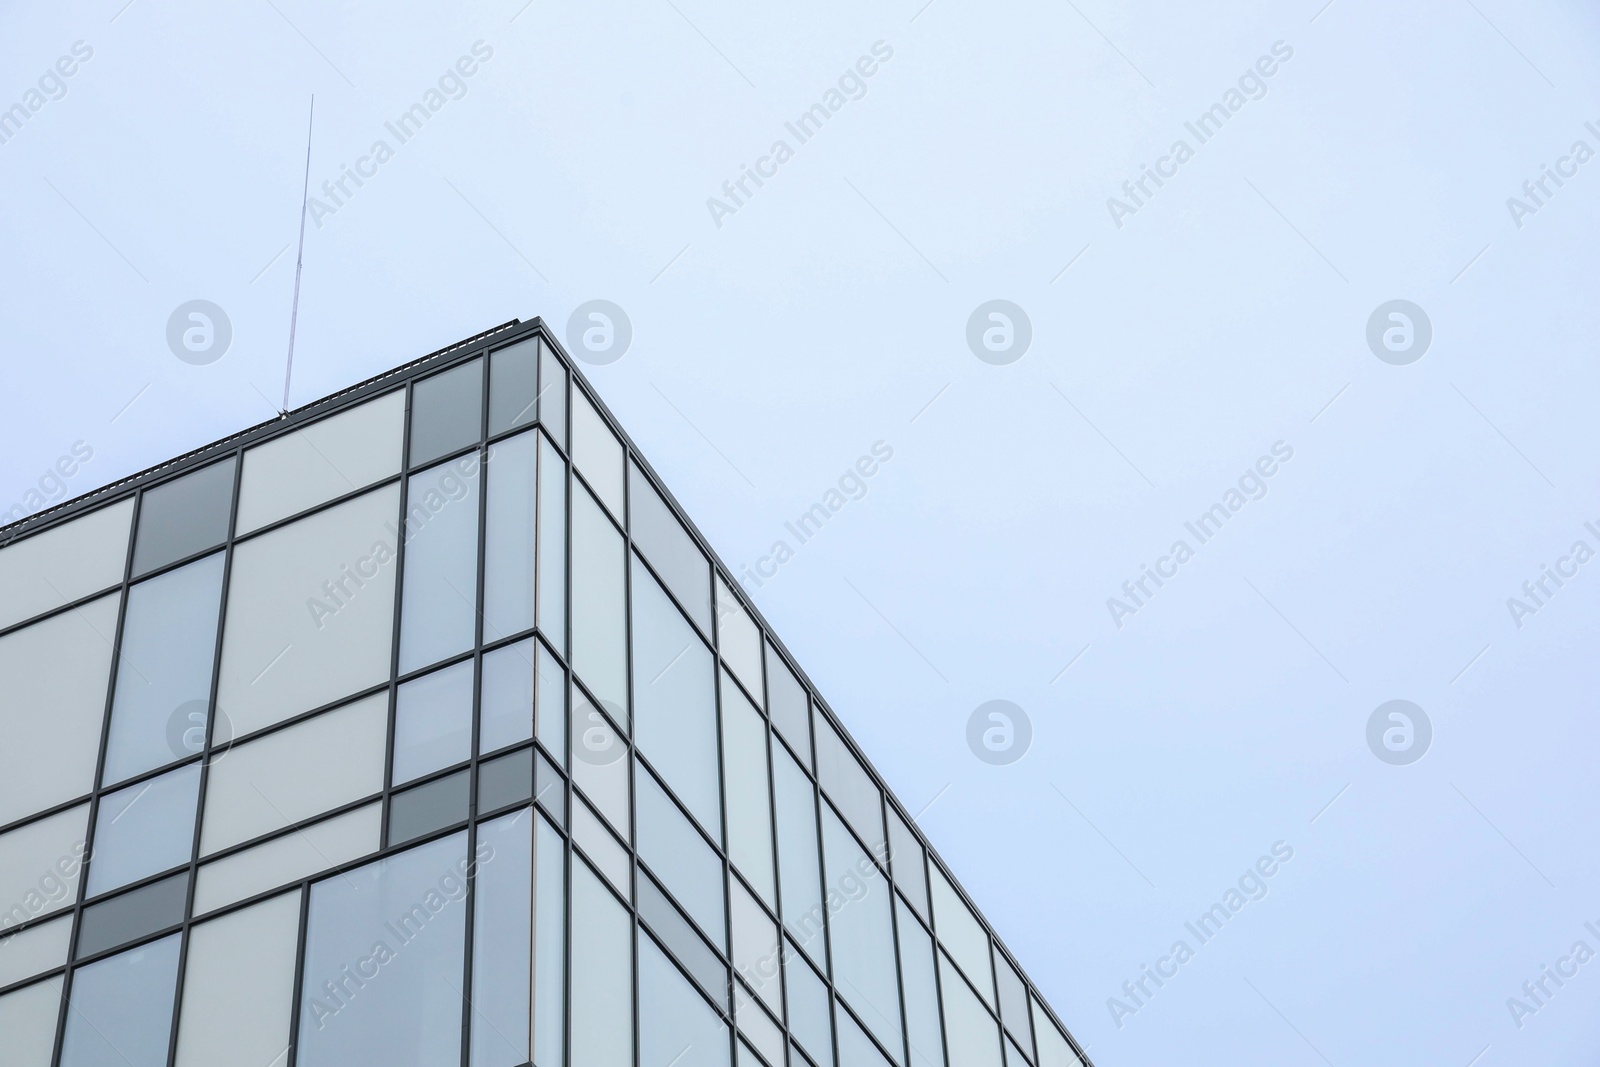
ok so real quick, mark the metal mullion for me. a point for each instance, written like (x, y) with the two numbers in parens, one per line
(777, 878)
(401, 538)
(477, 700)
(570, 679)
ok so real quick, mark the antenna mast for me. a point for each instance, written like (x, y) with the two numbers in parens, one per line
(299, 257)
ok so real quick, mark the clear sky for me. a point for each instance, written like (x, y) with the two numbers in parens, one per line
(1201, 326)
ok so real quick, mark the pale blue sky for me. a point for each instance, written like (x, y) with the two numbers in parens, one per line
(770, 352)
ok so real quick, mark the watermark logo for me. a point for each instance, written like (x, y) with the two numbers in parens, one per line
(1399, 332)
(599, 332)
(999, 332)
(999, 732)
(1399, 732)
(595, 740)
(199, 332)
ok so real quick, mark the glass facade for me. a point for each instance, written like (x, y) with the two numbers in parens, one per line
(420, 728)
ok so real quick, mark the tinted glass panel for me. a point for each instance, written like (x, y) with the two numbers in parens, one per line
(680, 858)
(505, 780)
(669, 548)
(64, 563)
(505, 714)
(144, 829)
(235, 1014)
(909, 862)
(440, 592)
(433, 722)
(185, 516)
(513, 387)
(1013, 1003)
(688, 947)
(446, 412)
(122, 1009)
(132, 915)
(429, 807)
(510, 536)
(553, 395)
(848, 785)
(787, 704)
(799, 870)
(502, 942)
(676, 1026)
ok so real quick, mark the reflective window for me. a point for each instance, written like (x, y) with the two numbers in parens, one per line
(1013, 1003)
(553, 395)
(599, 602)
(144, 829)
(786, 703)
(756, 1026)
(597, 453)
(64, 563)
(310, 615)
(657, 533)
(513, 387)
(847, 783)
(434, 805)
(549, 953)
(550, 705)
(40, 865)
(755, 946)
(738, 639)
(799, 870)
(744, 741)
(855, 1047)
(446, 412)
(28, 1019)
(433, 722)
(39, 948)
(236, 1014)
(596, 842)
(509, 536)
(807, 999)
(600, 761)
(308, 850)
(923, 1030)
(909, 862)
(675, 701)
(1054, 1049)
(324, 460)
(602, 974)
(970, 1031)
(502, 942)
(552, 562)
(861, 934)
(676, 1025)
(505, 714)
(183, 516)
(664, 920)
(129, 916)
(679, 857)
(169, 643)
(385, 961)
(961, 934)
(439, 596)
(505, 780)
(122, 1009)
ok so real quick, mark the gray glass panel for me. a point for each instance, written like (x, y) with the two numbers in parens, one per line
(182, 517)
(688, 947)
(675, 701)
(446, 412)
(553, 395)
(513, 386)
(439, 594)
(787, 704)
(505, 714)
(749, 805)
(861, 934)
(169, 644)
(676, 1026)
(599, 603)
(855, 1048)
(122, 1009)
(505, 780)
(502, 942)
(132, 915)
(680, 858)
(807, 1000)
(848, 785)
(970, 1031)
(657, 533)
(923, 1029)
(549, 789)
(433, 722)
(510, 527)
(429, 807)
(909, 862)
(549, 952)
(799, 869)
(600, 760)
(602, 974)
(552, 580)
(144, 829)
(384, 961)
(1013, 1003)
(550, 705)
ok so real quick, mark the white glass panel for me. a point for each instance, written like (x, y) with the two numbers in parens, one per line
(755, 946)
(121, 1012)
(506, 704)
(862, 934)
(921, 992)
(551, 705)
(64, 563)
(677, 1028)
(680, 858)
(855, 1048)
(788, 706)
(439, 597)
(1013, 1003)
(808, 1003)
(28, 1021)
(310, 614)
(296, 773)
(756, 1026)
(169, 643)
(552, 581)
(327, 459)
(600, 762)
(602, 974)
(54, 676)
(675, 701)
(553, 394)
(1054, 1050)
(961, 934)
(144, 829)
(970, 1031)
(305, 852)
(596, 842)
(597, 453)
(509, 537)
(599, 603)
(744, 742)
(738, 639)
(669, 548)
(909, 862)
(433, 722)
(40, 865)
(235, 1014)
(34, 951)
(799, 869)
(549, 952)
(502, 942)
(846, 782)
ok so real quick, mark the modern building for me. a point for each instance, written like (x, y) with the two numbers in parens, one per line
(419, 728)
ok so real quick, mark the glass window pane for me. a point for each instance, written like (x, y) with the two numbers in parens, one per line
(862, 934)
(807, 999)
(909, 862)
(184, 516)
(385, 960)
(786, 703)
(961, 933)
(37, 949)
(64, 563)
(54, 675)
(744, 742)
(428, 807)
(549, 789)
(513, 387)
(1054, 1049)
(685, 945)
(509, 536)
(855, 1047)
(675, 701)
(505, 780)
(676, 1026)
(1014, 1055)
(602, 974)
(505, 714)
(846, 782)
(326, 459)
(310, 614)
(738, 638)
(550, 709)
(120, 919)
(596, 842)
(295, 773)
(169, 643)
(599, 761)
(28, 1019)
(924, 1033)
(301, 854)
(680, 858)
(439, 595)
(446, 412)
(553, 395)
(599, 603)
(552, 580)
(40, 865)
(144, 829)
(549, 947)
(502, 942)
(970, 1031)
(433, 722)
(755, 946)
(597, 453)
(799, 869)
(669, 548)
(756, 1026)
(1013, 1003)
(121, 1012)
(236, 1014)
